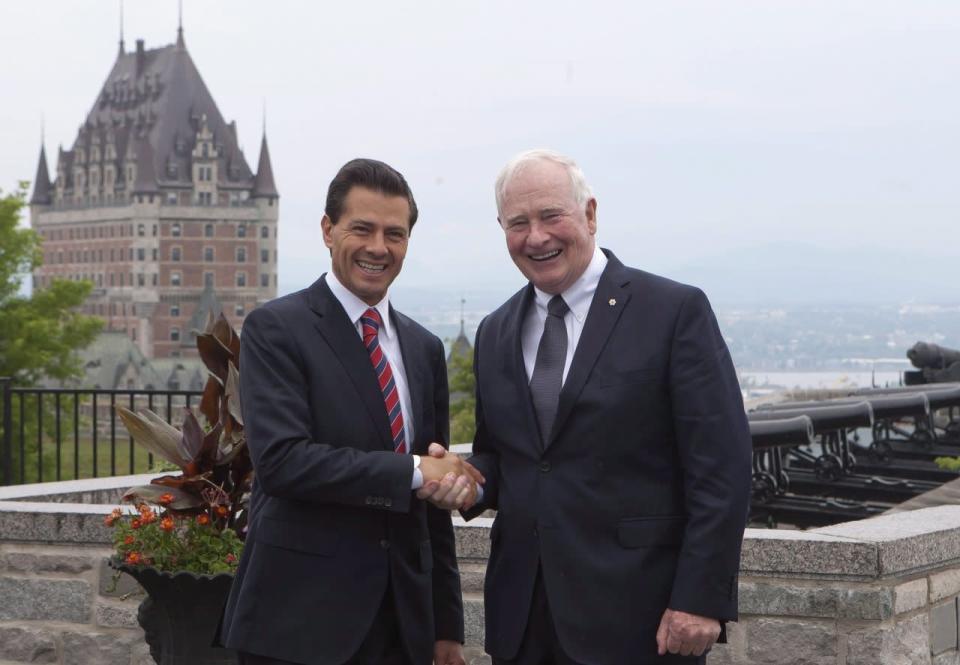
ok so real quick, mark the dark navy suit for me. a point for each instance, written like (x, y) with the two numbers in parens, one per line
(638, 500)
(333, 520)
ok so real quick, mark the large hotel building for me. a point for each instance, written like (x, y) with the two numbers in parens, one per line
(156, 204)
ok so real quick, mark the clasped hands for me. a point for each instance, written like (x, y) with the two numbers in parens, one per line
(448, 481)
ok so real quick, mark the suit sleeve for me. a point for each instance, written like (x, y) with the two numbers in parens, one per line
(287, 462)
(447, 598)
(484, 457)
(715, 451)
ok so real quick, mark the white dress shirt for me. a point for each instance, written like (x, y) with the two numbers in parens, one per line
(390, 345)
(578, 298)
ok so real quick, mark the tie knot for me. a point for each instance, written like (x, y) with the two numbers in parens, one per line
(371, 318)
(557, 306)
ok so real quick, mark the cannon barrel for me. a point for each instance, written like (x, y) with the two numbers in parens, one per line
(940, 395)
(932, 356)
(826, 417)
(797, 431)
(900, 405)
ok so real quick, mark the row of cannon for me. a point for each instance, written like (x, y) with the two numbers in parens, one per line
(812, 465)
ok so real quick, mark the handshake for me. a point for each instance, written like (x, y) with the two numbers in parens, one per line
(448, 481)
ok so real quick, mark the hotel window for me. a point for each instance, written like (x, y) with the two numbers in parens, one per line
(264, 280)
(141, 254)
(238, 310)
(241, 254)
(241, 279)
(141, 230)
(174, 334)
(174, 253)
(174, 310)
(208, 230)
(264, 256)
(174, 279)
(208, 279)
(264, 231)
(141, 279)
(175, 230)
(208, 254)
(153, 280)
(241, 230)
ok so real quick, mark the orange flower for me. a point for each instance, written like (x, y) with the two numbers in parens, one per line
(129, 540)
(165, 499)
(203, 519)
(134, 558)
(221, 511)
(135, 523)
(166, 524)
(230, 558)
(109, 520)
(147, 515)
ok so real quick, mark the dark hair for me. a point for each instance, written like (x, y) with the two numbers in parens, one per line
(371, 174)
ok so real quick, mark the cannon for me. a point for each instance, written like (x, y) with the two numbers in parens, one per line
(934, 363)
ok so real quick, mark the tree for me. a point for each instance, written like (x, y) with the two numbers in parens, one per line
(463, 400)
(39, 334)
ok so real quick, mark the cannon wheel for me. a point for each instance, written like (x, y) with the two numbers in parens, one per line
(881, 451)
(764, 486)
(828, 467)
(923, 437)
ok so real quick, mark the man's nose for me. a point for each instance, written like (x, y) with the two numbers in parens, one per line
(537, 235)
(376, 244)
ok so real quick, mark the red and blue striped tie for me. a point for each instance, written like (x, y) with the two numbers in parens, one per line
(370, 322)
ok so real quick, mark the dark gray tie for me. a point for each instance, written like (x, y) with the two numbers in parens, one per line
(547, 376)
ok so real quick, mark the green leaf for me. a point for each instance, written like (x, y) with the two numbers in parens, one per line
(153, 433)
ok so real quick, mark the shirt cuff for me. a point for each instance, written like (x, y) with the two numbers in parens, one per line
(417, 482)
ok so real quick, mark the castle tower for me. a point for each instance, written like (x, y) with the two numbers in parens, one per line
(156, 204)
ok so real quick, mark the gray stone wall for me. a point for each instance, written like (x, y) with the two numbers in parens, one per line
(877, 592)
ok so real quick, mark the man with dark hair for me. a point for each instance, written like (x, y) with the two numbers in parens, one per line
(612, 436)
(342, 398)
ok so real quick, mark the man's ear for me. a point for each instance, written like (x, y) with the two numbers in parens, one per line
(327, 227)
(591, 214)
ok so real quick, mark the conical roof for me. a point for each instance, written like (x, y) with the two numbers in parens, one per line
(263, 184)
(41, 184)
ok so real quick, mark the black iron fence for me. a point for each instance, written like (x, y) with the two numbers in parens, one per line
(66, 433)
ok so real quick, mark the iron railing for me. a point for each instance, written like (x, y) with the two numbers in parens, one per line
(72, 433)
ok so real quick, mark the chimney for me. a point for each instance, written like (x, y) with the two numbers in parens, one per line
(141, 57)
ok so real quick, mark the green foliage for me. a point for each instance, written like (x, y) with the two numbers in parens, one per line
(463, 401)
(40, 334)
(948, 463)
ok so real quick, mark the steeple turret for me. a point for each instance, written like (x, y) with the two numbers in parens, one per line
(41, 184)
(263, 184)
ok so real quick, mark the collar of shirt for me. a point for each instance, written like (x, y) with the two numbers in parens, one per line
(354, 307)
(580, 294)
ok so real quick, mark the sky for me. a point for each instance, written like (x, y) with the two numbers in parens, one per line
(772, 149)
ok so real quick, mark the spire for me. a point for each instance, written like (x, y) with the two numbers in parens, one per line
(180, 24)
(462, 303)
(41, 184)
(263, 184)
(121, 28)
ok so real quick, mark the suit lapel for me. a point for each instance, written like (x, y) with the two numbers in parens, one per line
(413, 363)
(338, 331)
(608, 303)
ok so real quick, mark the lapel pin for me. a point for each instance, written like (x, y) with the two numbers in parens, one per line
(612, 302)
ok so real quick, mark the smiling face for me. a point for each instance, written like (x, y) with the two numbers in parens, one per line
(368, 242)
(549, 235)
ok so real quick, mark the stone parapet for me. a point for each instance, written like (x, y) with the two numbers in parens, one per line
(882, 591)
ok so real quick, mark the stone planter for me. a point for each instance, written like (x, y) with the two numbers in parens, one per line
(180, 615)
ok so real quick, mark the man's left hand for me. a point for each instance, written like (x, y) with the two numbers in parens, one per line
(448, 652)
(686, 634)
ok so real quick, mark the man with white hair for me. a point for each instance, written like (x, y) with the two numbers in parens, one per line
(612, 435)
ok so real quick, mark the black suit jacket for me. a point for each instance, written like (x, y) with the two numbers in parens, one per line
(639, 497)
(333, 518)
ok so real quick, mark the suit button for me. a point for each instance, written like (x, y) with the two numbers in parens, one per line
(545, 466)
(368, 500)
(388, 502)
(384, 544)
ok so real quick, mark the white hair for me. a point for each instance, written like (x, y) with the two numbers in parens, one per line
(581, 190)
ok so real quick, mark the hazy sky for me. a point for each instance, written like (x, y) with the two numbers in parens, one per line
(751, 133)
